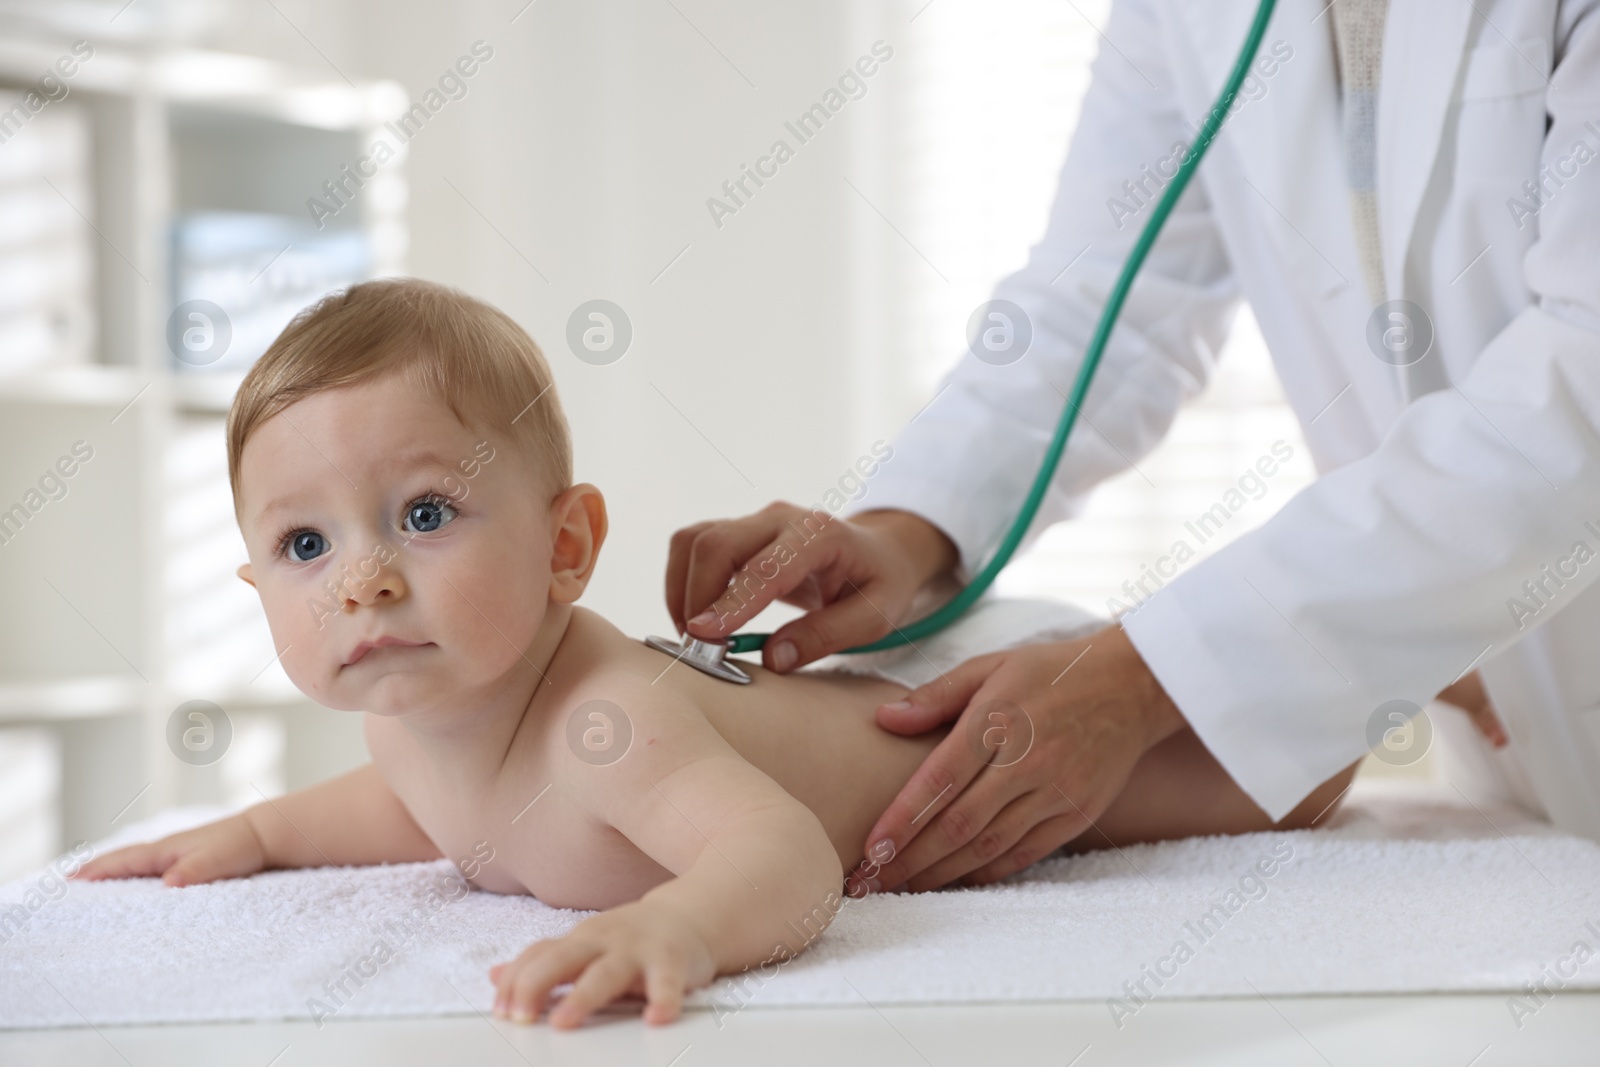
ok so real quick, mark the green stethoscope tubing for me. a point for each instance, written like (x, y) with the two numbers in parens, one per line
(953, 609)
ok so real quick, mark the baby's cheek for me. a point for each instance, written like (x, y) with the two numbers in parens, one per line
(304, 641)
(288, 620)
(500, 602)
(493, 626)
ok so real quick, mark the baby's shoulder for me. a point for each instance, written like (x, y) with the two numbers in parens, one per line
(609, 676)
(623, 717)
(614, 720)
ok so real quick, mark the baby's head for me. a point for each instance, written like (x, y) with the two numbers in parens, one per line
(402, 475)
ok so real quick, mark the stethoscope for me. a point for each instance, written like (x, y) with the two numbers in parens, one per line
(711, 656)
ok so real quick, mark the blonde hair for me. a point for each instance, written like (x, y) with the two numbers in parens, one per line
(472, 356)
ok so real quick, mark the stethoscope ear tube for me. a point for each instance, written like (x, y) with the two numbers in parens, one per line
(953, 609)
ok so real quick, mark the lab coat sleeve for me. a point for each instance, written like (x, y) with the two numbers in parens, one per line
(966, 461)
(1469, 526)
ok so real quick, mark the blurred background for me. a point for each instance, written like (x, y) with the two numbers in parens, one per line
(170, 202)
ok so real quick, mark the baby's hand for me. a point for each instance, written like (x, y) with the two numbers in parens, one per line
(644, 948)
(228, 848)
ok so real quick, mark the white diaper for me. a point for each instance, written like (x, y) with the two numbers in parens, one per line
(991, 624)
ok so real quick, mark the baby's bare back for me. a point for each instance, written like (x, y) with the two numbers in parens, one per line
(812, 732)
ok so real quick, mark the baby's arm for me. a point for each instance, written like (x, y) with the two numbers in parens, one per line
(353, 819)
(757, 880)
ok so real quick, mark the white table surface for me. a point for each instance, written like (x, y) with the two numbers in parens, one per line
(1453, 1030)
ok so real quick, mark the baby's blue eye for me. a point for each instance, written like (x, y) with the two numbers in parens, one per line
(306, 545)
(427, 515)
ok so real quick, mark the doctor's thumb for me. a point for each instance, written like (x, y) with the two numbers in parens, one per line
(932, 705)
(852, 620)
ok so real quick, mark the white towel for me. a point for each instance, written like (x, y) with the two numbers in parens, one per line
(1377, 902)
(1400, 895)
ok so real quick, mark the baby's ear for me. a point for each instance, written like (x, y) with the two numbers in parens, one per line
(244, 573)
(580, 524)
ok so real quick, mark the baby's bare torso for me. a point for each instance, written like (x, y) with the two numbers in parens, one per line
(812, 732)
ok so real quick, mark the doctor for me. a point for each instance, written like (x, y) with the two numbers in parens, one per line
(1425, 270)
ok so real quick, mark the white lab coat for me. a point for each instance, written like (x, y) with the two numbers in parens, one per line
(1393, 573)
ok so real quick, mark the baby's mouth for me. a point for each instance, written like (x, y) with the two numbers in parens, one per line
(361, 650)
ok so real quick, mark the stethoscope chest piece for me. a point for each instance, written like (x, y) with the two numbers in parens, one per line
(707, 656)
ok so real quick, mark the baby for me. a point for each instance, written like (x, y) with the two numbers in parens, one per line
(402, 475)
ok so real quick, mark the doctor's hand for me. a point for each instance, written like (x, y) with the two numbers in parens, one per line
(1045, 738)
(855, 577)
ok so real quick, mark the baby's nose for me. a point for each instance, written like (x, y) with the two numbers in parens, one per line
(373, 580)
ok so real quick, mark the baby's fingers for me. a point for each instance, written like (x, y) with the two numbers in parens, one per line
(663, 989)
(201, 865)
(135, 861)
(526, 982)
(603, 981)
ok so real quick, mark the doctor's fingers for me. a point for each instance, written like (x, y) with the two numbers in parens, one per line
(856, 618)
(1034, 846)
(1031, 827)
(763, 556)
(947, 802)
(678, 570)
(972, 822)
(1003, 833)
(940, 700)
(703, 559)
